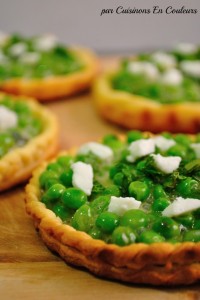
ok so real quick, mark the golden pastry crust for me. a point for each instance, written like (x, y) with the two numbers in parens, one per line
(17, 165)
(50, 88)
(137, 112)
(155, 264)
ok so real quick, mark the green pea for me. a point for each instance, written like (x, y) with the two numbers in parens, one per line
(66, 178)
(134, 136)
(149, 237)
(182, 139)
(82, 219)
(118, 179)
(160, 204)
(192, 236)
(167, 227)
(158, 191)
(6, 143)
(113, 142)
(139, 190)
(186, 220)
(95, 233)
(65, 161)
(188, 187)
(196, 224)
(107, 221)
(134, 218)
(21, 107)
(74, 198)
(100, 204)
(54, 167)
(60, 211)
(112, 190)
(46, 176)
(123, 236)
(177, 150)
(54, 192)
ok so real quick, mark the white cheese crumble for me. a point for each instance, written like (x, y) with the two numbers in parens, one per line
(46, 42)
(18, 49)
(119, 205)
(146, 68)
(191, 68)
(172, 77)
(140, 148)
(164, 60)
(3, 38)
(186, 48)
(30, 58)
(82, 177)
(162, 143)
(181, 206)
(8, 118)
(166, 164)
(196, 148)
(101, 151)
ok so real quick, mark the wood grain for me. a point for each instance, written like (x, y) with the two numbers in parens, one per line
(28, 270)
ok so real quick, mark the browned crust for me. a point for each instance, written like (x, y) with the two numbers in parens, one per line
(136, 112)
(17, 165)
(55, 87)
(156, 264)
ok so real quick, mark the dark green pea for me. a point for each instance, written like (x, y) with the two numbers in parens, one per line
(186, 220)
(177, 150)
(123, 236)
(47, 176)
(55, 167)
(196, 224)
(95, 233)
(134, 218)
(112, 190)
(65, 161)
(159, 191)
(60, 211)
(139, 190)
(100, 204)
(134, 136)
(159, 204)
(74, 198)
(107, 221)
(192, 236)
(188, 187)
(66, 178)
(149, 237)
(82, 219)
(54, 192)
(167, 227)
(118, 179)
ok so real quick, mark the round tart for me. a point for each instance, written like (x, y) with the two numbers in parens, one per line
(127, 208)
(41, 67)
(28, 135)
(156, 92)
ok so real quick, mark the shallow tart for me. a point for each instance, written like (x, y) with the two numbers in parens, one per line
(159, 91)
(41, 67)
(135, 220)
(28, 135)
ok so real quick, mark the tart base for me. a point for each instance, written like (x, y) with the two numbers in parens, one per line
(17, 165)
(50, 88)
(156, 264)
(136, 112)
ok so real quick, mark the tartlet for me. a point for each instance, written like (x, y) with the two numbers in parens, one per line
(42, 68)
(156, 92)
(28, 135)
(107, 208)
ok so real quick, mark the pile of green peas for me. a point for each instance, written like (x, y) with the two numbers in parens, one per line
(56, 61)
(28, 126)
(140, 180)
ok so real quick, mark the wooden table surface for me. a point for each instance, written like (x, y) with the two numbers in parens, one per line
(28, 270)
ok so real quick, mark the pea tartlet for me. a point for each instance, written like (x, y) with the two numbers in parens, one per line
(158, 91)
(127, 208)
(43, 68)
(28, 135)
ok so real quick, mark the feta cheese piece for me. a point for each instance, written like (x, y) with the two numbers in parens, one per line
(196, 148)
(186, 48)
(82, 177)
(8, 118)
(181, 206)
(191, 68)
(18, 49)
(172, 77)
(119, 205)
(166, 164)
(164, 60)
(162, 143)
(140, 148)
(101, 151)
(30, 58)
(146, 68)
(46, 42)
(3, 38)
